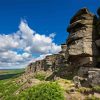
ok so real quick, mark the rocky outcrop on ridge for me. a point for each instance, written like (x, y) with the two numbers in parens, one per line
(80, 55)
(83, 46)
(81, 42)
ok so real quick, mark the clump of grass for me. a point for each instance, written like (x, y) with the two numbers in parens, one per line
(7, 88)
(84, 90)
(96, 89)
(44, 91)
(65, 81)
(41, 76)
(92, 98)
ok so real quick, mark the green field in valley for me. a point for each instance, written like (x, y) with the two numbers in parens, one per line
(7, 74)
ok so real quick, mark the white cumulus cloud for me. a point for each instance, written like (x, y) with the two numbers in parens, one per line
(19, 48)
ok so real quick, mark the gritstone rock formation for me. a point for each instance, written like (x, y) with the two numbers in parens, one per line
(81, 41)
(49, 63)
(80, 55)
(83, 46)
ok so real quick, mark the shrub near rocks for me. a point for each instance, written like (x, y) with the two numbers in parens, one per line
(85, 90)
(96, 89)
(44, 91)
(41, 76)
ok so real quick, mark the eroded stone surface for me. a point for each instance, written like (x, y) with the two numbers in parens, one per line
(81, 53)
(91, 76)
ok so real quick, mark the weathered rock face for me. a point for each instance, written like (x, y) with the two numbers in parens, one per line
(80, 55)
(64, 48)
(30, 68)
(55, 64)
(91, 76)
(84, 46)
(36, 66)
(81, 42)
(50, 62)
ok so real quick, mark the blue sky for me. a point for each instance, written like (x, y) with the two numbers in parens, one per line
(46, 19)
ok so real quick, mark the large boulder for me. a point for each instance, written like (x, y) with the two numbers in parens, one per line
(91, 76)
(82, 49)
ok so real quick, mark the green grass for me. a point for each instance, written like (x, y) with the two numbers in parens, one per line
(8, 83)
(92, 98)
(41, 76)
(84, 90)
(44, 91)
(96, 89)
(7, 88)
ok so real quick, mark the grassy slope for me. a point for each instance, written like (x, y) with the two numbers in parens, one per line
(8, 86)
(8, 82)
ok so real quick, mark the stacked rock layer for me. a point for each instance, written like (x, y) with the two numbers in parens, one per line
(81, 41)
(80, 55)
